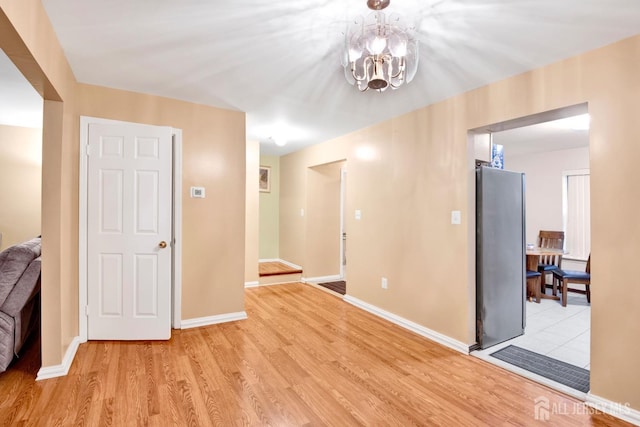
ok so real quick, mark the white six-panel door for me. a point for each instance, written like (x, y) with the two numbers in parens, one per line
(129, 232)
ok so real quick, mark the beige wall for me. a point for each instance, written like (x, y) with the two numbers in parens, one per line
(269, 212)
(543, 175)
(323, 221)
(20, 183)
(252, 214)
(213, 156)
(418, 169)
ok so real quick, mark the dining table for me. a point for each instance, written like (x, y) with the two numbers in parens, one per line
(533, 259)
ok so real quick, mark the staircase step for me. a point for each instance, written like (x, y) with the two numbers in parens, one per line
(273, 268)
(272, 272)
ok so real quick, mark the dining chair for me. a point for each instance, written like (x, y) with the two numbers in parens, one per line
(549, 263)
(533, 285)
(564, 277)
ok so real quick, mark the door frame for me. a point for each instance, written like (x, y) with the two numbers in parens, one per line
(472, 136)
(176, 238)
(343, 243)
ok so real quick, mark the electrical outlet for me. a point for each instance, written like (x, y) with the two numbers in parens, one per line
(455, 217)
(385, 283)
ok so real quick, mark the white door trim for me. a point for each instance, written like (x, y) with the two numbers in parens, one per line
(176, 280)
(343, 189)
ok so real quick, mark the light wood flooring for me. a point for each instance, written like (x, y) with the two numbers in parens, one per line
(302, 358)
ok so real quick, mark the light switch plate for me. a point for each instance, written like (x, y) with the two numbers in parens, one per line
(456, 217)
(358, 214)
(302, 212)
(197, 192)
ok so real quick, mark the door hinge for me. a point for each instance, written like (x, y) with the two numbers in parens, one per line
(87, 150)
(86, 310)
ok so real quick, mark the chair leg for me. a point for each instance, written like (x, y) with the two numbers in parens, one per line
(554, 287)
(563, 284)
(588, 293)
(533, 289)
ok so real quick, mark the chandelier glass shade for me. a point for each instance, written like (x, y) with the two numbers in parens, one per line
(381, 51)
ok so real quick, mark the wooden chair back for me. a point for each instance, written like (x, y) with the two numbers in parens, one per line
(588, 269)
(565, 280)
(554, 240)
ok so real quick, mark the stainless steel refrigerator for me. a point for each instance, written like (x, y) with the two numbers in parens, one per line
(500, 255)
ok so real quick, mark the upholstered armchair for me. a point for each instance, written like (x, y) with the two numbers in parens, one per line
(19, 297)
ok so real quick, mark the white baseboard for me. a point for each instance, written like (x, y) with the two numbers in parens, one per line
(408, 324)
(62, 369)
(618, 410)
(251, 284)
(322, 279)
(212, 320)
(290, 264)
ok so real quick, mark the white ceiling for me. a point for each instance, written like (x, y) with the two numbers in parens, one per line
(279, 61)
(543, 137)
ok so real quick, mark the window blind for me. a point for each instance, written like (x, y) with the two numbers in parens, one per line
(577, 216)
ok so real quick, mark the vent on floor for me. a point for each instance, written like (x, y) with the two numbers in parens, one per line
(339, 286)
(556, 370)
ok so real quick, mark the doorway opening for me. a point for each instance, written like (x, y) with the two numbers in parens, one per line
(21, 146)
(552, 150)
(325, 229)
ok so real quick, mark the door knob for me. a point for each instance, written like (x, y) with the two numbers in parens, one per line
(163, 244)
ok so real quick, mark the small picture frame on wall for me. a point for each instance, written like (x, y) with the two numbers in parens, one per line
(265, 179)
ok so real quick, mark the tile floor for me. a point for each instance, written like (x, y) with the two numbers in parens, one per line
(562, 333)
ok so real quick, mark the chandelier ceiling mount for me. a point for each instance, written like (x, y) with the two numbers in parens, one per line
(378, 4)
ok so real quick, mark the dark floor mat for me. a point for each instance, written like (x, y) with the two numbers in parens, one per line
(339, 287)
(556, 370)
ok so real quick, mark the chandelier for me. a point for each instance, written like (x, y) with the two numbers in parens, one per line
(381, 51)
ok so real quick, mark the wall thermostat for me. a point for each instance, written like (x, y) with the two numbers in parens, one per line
(197, 192)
